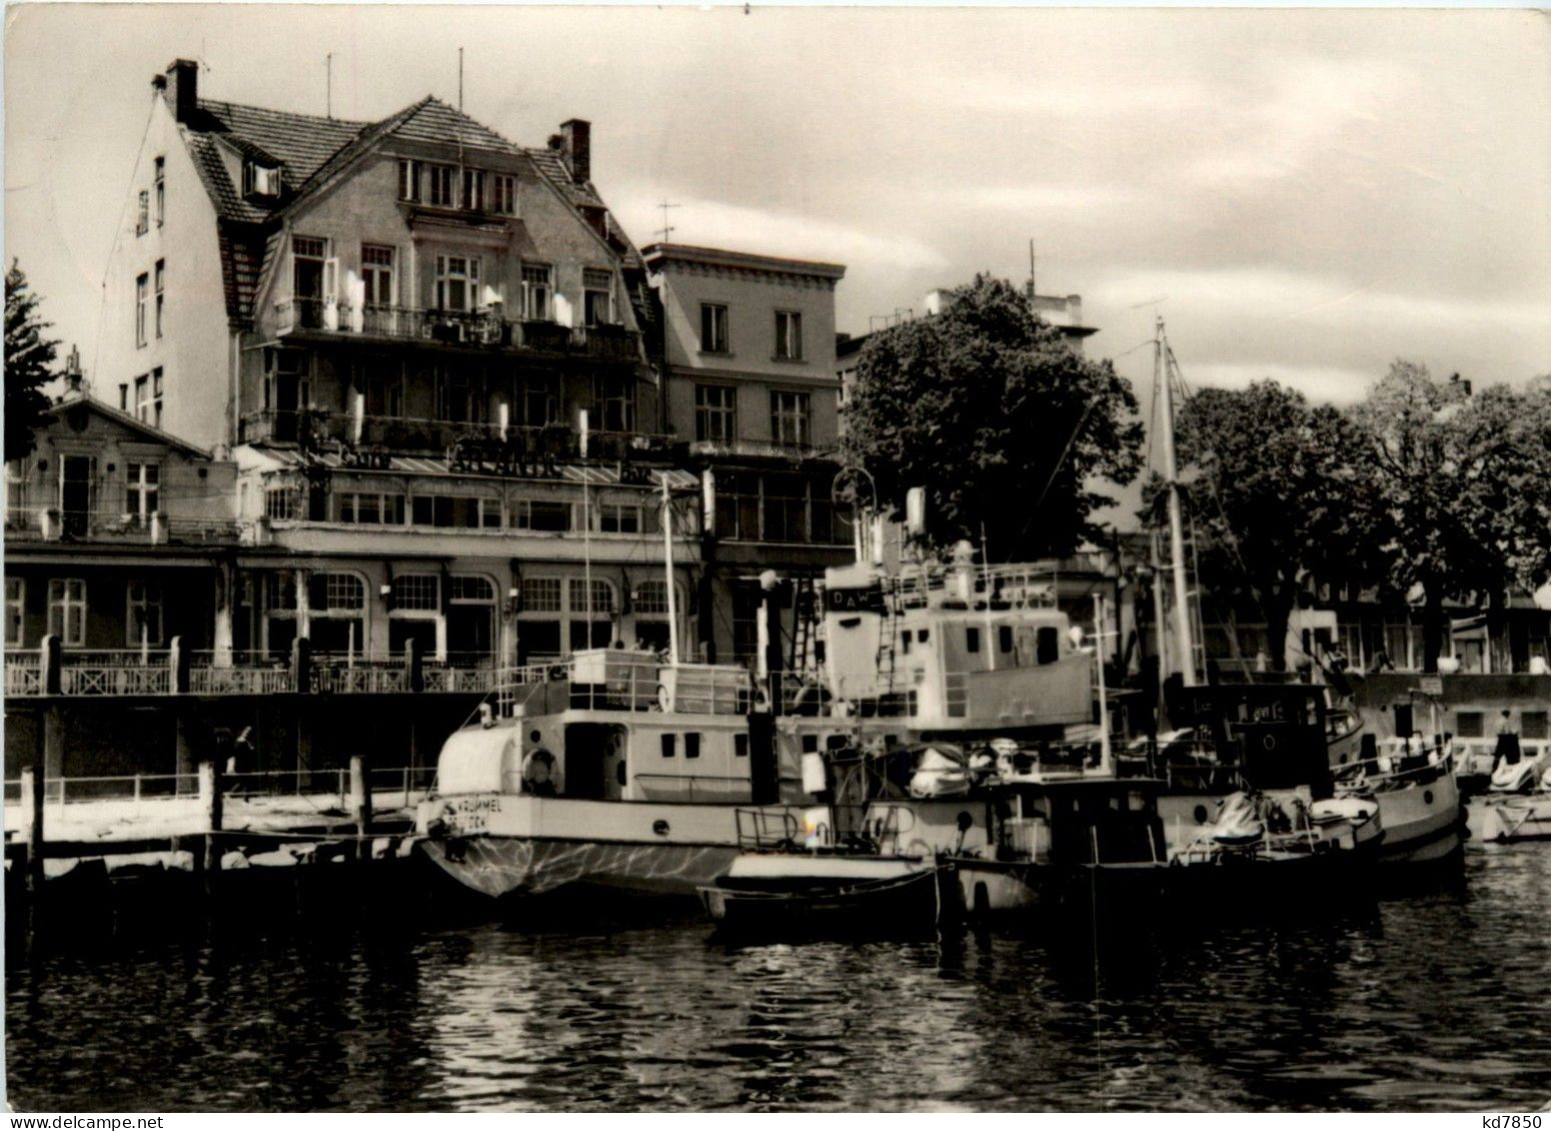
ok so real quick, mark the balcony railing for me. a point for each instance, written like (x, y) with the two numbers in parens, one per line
(121, 671)
(454, 327)
(467, 442)
(777, 449)
(52, 524)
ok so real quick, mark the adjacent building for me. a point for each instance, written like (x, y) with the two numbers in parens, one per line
(749, 380)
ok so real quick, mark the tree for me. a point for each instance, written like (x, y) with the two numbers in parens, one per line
(28, 356)
(1275, 497)
(1009, 430)
(1465, 485)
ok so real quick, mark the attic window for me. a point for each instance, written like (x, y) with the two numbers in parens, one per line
(260, 180)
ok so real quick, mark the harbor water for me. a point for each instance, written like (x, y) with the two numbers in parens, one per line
(1434, 999)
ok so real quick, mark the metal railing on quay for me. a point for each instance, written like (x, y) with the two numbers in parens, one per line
(332, 782)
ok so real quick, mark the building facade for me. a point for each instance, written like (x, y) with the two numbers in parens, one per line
(749, 382)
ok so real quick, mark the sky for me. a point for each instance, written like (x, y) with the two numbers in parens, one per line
(1302, 195)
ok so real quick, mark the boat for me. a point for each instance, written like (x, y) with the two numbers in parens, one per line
(1276, 852)
(1063, 843)
(1518, 804)
(620, 769)
(831, 881)
(1414, 787)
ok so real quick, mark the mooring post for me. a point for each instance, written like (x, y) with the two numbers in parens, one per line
(210, 789)
(32, 814)
(361, 805)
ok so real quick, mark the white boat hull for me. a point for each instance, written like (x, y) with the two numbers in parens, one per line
(1421, 822)
(1505, 819)
(502, 866)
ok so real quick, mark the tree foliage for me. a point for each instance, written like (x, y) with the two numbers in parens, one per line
(28, 358)
(1008, 429)
(1276, 496)
(1462, 484)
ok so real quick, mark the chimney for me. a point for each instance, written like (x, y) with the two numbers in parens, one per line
(576, 147)
(183, 88)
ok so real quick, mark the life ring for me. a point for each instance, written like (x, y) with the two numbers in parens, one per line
(664, 698)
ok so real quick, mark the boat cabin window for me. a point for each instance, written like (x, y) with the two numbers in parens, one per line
(669, 745)
(1535, 724)
(810, 744)
(1470, 724)
(835, 742)
(1049, 645)
(923, 635)
(971, 640)
(692, 744)
(1004, 638)
(740, 746)
(904, 642)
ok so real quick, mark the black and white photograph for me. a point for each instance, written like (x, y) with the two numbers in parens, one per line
(741, 559)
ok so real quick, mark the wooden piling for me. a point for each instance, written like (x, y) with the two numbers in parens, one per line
(361, 805)
(33, 785)
(210, 791)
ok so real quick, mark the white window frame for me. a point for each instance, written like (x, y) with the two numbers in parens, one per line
(144, 602)
(67, 596)
(142, 298)
(620, 518)
(142, 497)
(426, 590)
(724, 415)
(446, 277)
(159, 189)
(161, 293)
(788, 331)
(597, 281)
(719, 339)
(538, 292)
(377, 263)
(15, 612)
(486, 510)
(522, 515)
(390, 507)
(791, 418)
(443, 191)
(503, 194)
(409, 180)
(472, 186)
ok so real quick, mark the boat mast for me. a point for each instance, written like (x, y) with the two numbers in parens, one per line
(673, 604)
(1187, 666)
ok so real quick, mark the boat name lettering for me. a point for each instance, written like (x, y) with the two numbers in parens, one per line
(865, 600)
(469, 805)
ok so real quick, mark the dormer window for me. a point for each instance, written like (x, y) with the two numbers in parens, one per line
(409, 180)
(474, 190)
(260, 180)
(441, 185)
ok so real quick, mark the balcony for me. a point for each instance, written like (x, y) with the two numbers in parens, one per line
(479, 445)
(760, 449)
(478, 329)
(50, 524)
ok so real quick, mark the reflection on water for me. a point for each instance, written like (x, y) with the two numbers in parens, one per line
(1435, 1000)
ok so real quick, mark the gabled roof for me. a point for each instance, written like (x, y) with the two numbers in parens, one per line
(123, 419)
(312, 150)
